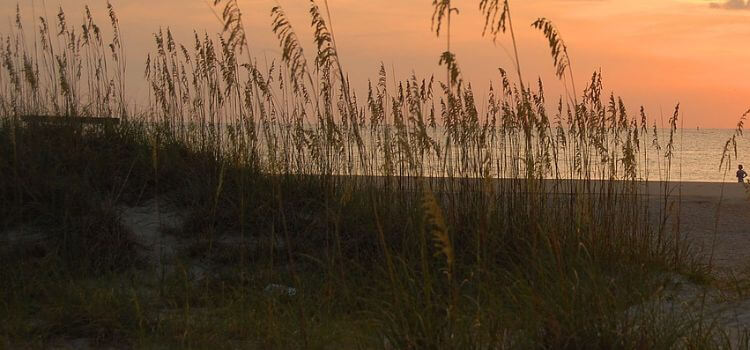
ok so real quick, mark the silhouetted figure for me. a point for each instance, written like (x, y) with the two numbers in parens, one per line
(741, 174)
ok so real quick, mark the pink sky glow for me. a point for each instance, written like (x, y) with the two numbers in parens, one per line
(653, 53)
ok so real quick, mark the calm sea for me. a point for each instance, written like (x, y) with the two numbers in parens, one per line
(698, 155)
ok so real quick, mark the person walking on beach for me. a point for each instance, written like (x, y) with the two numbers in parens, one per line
(741, 174)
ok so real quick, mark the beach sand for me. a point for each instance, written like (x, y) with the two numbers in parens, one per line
(715, 217)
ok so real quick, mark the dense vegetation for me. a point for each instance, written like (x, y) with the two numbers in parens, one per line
(408, 218)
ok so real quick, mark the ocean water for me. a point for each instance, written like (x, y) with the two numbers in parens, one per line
(698, 153)
(696, 157)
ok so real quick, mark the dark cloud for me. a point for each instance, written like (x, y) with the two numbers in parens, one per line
(731, 5)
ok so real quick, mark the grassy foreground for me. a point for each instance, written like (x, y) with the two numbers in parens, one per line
(372, 264)
(385, 218)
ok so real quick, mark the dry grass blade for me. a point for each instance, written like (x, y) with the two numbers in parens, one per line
(495, 16)
(327, 56)
(454, 73)
(730, 147)
(441, 10)
(558, 50)
(557, 46)
(438, 229)
(292, 53)
(231, 17)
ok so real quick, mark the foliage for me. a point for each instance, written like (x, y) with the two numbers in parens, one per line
(411, 219)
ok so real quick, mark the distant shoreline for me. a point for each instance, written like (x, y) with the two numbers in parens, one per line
(709, 190)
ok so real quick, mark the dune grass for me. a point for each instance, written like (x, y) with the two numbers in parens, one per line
(408, 218)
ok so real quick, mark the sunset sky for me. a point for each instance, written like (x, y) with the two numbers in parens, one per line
(651, 52)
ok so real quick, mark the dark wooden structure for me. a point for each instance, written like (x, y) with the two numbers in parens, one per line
(65, 120)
